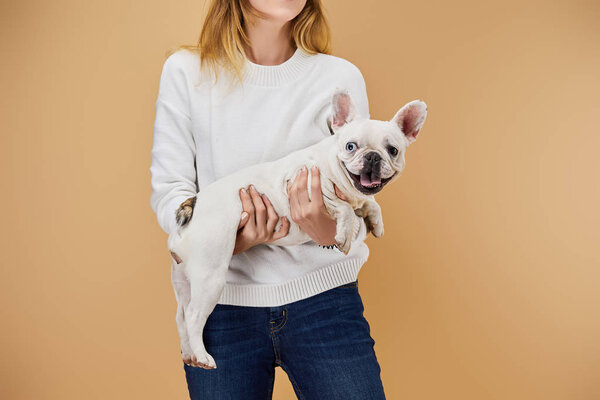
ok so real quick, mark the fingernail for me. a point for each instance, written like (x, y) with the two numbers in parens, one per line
(244, 215)
(252, 187)
(314, 168)
(243, 190)
(303, 168)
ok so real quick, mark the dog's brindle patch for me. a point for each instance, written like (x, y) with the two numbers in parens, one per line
(185, 211)
(177, 259)
(183, 215)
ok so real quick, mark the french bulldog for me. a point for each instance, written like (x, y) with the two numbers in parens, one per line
(360, 157)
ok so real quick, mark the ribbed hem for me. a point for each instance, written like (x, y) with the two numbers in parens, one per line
(277, 75)
(297, 289)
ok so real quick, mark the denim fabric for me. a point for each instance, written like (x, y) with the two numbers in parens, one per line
(323, 343)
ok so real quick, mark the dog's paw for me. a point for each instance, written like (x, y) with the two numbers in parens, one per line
(186, 357)
(202, 360)
(375, 227)
(185, 211)
(343, 243)
(186, 351)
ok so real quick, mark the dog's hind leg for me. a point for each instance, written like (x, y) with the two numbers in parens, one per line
(206, 269)
(181, 286)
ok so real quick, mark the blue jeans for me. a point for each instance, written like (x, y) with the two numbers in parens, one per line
(323, 343)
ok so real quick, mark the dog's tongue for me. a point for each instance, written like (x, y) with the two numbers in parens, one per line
(369, 180)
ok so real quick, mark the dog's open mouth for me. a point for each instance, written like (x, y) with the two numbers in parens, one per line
(368, 183)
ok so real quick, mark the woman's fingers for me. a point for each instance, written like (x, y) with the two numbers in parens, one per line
(272, 216)
(259, 218)
(260, 213)
(283, 229)
(247, 206)
(315, 187)
(272, 220)
(298, 195)
(243, 220)
(301, 190)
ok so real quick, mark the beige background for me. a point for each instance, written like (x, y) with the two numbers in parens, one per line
(486, 284)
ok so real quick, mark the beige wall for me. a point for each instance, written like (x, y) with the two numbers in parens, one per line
(486, 284)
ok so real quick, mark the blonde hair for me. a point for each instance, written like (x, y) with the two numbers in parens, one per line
(222, 40)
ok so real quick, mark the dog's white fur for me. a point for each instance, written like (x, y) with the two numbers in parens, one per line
(205, 244)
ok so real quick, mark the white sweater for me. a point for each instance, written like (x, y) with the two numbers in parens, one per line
(202, 133)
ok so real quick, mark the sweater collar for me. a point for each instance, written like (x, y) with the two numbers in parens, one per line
(280, 74)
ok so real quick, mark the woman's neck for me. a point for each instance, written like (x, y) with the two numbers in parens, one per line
(270, 42)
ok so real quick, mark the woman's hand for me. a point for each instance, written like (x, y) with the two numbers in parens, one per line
(258, 221)
(310, 214)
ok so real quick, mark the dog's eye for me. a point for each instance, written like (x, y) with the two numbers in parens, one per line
(393, 151)
(351, 146)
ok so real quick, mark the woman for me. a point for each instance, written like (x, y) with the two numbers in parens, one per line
(255, 88)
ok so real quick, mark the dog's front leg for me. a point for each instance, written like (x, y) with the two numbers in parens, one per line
(344, 215)
(371, 212)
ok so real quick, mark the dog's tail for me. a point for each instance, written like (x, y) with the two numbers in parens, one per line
(183, 215)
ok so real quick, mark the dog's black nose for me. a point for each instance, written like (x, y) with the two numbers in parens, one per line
(372, 157)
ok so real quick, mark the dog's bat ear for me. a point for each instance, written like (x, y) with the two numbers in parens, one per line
(342, 108)
(410, 119)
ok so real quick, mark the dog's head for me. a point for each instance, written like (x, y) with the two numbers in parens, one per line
(371, 152)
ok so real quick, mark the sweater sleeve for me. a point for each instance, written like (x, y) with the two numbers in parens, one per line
(172, 169)
(358, 91)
